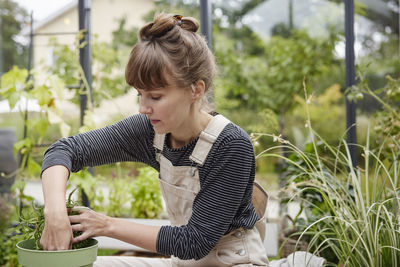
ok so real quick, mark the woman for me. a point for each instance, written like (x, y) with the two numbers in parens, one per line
(206, 163)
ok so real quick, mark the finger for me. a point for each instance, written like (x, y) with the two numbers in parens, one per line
(54, 248)
(80, 238)
(75, 218)
(80, 209)
(77, 227)
(46, 245)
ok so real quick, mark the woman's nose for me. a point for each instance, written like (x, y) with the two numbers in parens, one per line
(144, 108)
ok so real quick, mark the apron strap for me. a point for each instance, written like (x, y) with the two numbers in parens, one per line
(259, 199)
(207, 138)
(159, 141)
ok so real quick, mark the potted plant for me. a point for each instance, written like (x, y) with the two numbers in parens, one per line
(289, 236)
(31, 254)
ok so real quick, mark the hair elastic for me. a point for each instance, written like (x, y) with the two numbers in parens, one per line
(178, 19)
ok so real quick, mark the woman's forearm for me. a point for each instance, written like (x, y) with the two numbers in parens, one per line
(54, 185)
(92, 223)
(57, 232)
(144, 236)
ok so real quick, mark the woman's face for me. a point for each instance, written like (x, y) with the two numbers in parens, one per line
(168, 108)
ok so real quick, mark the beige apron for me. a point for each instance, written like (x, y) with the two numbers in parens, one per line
(179, 186)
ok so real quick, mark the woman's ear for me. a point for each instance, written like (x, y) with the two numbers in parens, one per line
(198, 90)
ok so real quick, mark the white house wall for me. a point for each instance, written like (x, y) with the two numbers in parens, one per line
(105, 16)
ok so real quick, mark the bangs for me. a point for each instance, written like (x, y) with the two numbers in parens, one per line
(147, 67)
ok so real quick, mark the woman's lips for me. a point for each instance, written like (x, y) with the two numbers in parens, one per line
(154, 121)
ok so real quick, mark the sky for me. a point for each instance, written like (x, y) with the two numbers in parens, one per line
(42, 8)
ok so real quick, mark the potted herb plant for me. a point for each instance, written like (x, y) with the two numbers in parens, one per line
(31, 254)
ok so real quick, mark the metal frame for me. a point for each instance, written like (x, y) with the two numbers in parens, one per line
(1, 48)
(206, 21)
(85, 54)
(85, 59)
(350, 81)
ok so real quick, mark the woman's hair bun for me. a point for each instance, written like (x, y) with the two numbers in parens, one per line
(190, 24)
(164, 23)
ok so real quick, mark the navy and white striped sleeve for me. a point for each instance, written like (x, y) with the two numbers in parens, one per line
(128, 140)
(224, 194)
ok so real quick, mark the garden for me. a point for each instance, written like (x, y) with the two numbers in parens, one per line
(283, 82)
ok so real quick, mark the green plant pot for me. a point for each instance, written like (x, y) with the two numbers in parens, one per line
(30, 257)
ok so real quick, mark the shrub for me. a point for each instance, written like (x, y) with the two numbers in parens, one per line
(146, 195)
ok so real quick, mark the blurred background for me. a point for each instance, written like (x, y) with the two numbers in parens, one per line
(281, 69)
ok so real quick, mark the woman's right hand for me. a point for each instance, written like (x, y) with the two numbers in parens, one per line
(57, 232)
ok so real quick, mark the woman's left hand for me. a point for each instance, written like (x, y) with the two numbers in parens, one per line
(89, 222)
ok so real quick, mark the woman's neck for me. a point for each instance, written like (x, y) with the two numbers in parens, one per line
(190, 131)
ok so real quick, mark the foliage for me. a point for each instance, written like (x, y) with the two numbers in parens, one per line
(268, 81)
(6, 245)
(46, 90)
(85, 181)
(127, 196)
(108, 62)
(146, 195)
(118, 195)
(383, 21)
(32, 224)
(4, 212)
(329, 125)
(12, 19)
(123, 37)
(352, 213)
(66, 61)
(388, 118)
(186, 8)
(108, 79)
(273, 79)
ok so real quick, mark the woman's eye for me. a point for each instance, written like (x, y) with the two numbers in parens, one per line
(155, 97)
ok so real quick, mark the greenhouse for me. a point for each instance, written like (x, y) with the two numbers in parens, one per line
(199, 133)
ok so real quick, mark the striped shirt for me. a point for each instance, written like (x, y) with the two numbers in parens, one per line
(223, 203)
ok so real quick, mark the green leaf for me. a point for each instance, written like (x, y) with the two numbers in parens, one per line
(15, 78)
(309, 148)
(41, 126)
(6, 90)
(13, 98)
(42, 94)
(19, 184)
(33, 167)
(57, 85)
(23, 145)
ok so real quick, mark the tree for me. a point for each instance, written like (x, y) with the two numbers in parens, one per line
(12, 19)
(273, 79)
